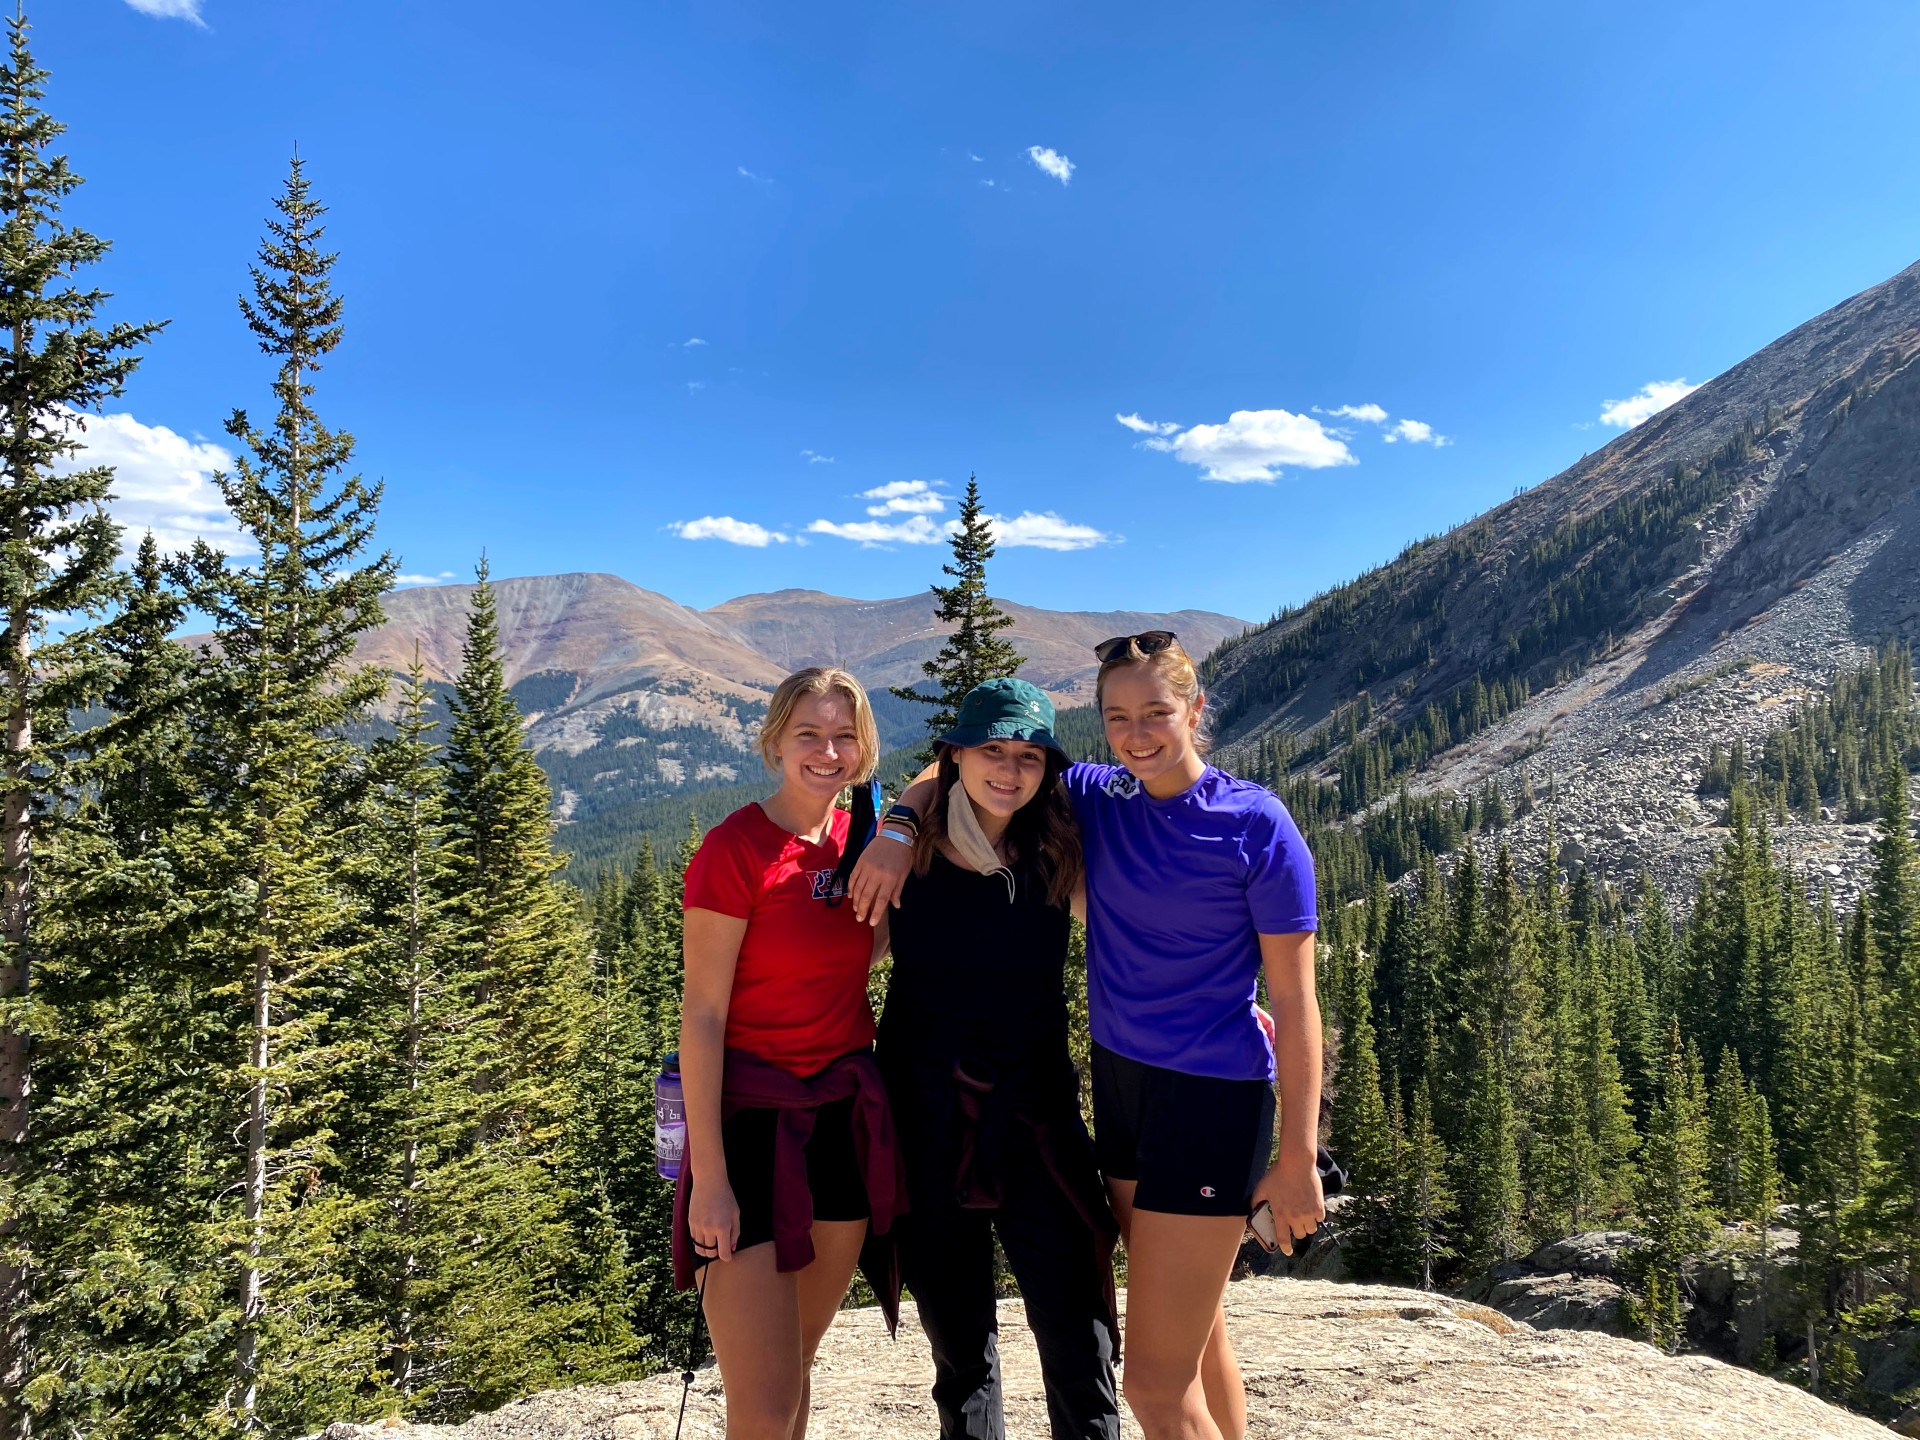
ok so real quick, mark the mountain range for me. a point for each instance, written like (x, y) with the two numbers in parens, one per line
(1695, 580)
(630, 696)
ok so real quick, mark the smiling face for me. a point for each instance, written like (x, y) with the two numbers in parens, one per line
(1001, 776)
(1151, 726)
(818, 751)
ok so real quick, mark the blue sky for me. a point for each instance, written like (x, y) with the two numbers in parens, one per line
(629, 284)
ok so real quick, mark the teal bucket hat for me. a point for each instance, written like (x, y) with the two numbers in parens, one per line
(1004, 709)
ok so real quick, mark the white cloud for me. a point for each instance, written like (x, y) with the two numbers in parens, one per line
(725, 527)
(990, 185)
(695, 340)
(916, 530)
(1146, 427)
(695, 385)
(1415, 432)
(905, 497)
(1046, 158)
(1047, 531)
(170, 9)
(746, 174)
(814, 457)
(1654, 396)
(162, 482)
(977, 159)
(423, 579)
(898, 487)
(1254, 444)
(1370, 413)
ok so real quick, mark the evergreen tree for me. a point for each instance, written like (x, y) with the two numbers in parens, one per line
(1360, 1123)
(975, 650)
(134, 1051)
(1493, 1213)
(57, 551)
(1423, 1200)
(525, 950)
(280, 690)
(1729, 1138)
(1673, 1193)
(463, 1324)
(1896, 1078)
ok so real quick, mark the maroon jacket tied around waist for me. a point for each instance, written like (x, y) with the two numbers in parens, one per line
(750, 1083)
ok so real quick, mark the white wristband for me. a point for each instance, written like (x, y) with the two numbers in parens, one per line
(896, 835)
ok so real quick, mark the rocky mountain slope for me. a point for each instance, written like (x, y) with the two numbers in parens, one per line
(1696, 579)
(630, 695)
(1320, 1360)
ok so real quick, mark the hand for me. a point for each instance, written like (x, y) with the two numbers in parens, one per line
(713, 1220)
(878, 878)
(1292, 1188)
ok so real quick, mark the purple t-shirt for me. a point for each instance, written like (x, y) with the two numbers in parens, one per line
(1178, 894)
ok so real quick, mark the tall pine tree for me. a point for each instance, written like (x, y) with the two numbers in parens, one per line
(57, 551)
(975, 649)
(280, 687)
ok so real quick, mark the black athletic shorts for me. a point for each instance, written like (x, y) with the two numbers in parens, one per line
(1196, 1145)
(833, 1169)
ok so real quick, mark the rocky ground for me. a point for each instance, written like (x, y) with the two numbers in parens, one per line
(1320, 1359)
(1614, 758)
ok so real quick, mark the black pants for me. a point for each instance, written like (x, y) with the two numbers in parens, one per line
(946, 1257)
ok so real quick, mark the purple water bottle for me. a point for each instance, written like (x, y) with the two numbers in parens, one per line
(669, 1119)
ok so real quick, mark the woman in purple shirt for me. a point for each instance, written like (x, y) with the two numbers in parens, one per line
(1196, 882)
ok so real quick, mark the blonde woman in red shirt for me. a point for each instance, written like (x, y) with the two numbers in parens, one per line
(790, 1149)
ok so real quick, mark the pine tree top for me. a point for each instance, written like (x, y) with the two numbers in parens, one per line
(975, 650)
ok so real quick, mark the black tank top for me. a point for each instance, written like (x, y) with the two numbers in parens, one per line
(977, 978)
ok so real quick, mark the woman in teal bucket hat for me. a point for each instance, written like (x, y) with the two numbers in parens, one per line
(973, 1047)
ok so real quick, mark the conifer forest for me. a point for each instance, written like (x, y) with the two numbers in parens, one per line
(326, 1086)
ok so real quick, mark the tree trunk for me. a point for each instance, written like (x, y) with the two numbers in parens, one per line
(403, 1378)
(16, 1075)
(252, 1291)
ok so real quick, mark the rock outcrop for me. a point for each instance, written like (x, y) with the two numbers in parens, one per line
(1320, 1360)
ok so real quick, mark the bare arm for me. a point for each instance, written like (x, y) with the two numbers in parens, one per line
(711, 950)
(881, 872)
(1292, 1186)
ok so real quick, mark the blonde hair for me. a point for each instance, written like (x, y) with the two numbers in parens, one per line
(822, 680)
(1175, 667)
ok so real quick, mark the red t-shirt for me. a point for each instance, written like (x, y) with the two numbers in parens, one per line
(800, 985)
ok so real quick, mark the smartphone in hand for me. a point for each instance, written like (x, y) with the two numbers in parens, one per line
(1260, 1227)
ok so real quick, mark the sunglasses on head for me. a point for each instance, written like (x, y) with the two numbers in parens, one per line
(1147, 642)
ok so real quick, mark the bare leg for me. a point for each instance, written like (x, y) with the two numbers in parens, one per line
(766, 1327)
(1219, 1371)
(1177, 1269)
(753, 1314)
(823, 1285)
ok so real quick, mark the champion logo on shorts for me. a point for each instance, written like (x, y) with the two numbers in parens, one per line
(1207, 1192)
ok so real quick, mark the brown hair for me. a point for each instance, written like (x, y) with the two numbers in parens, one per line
(1174, 666)
(822, 680)
(1043, 827)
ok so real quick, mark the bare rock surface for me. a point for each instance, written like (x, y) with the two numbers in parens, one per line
(1320, 1360)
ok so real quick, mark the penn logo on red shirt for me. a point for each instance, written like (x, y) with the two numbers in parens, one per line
(824, 888)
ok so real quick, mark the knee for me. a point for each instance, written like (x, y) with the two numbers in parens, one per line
(755, 1413)
(1158, 1395)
